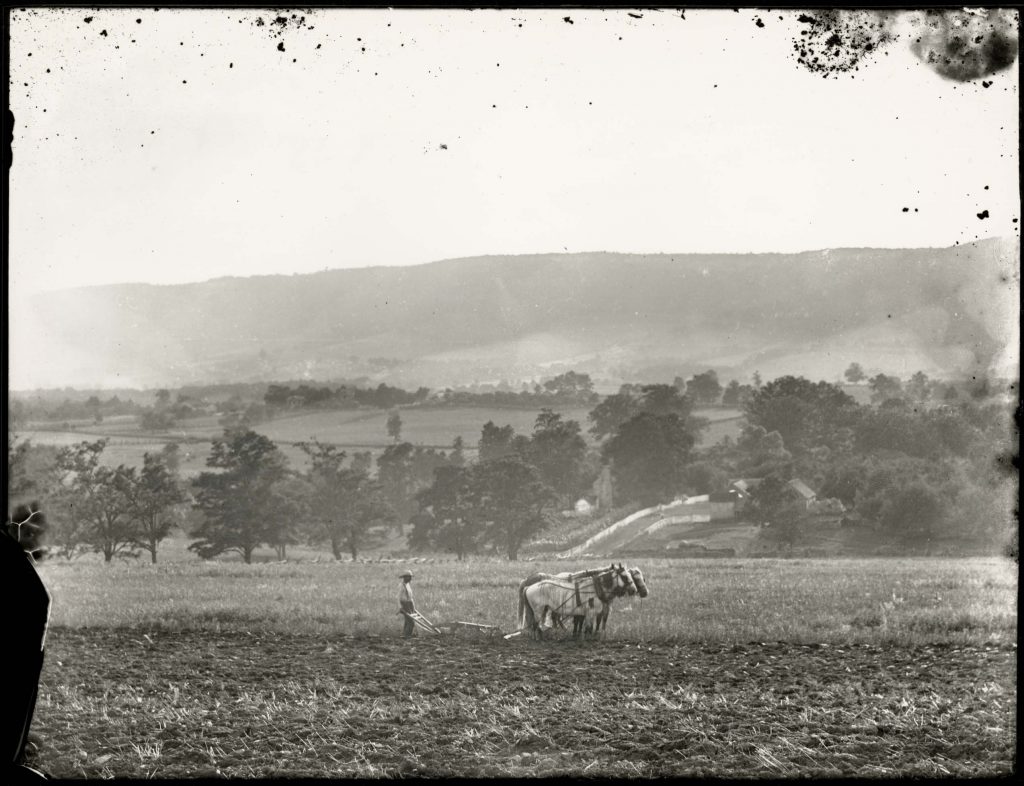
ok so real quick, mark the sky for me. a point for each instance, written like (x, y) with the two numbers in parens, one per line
(182, 145)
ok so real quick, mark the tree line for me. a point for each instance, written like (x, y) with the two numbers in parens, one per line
(910, 471)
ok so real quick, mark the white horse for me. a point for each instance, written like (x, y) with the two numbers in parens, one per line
(571, 594)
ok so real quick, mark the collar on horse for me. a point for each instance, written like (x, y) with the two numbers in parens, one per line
(599, 589)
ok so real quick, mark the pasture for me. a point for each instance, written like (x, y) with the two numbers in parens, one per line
(362, 429)
(731, 667)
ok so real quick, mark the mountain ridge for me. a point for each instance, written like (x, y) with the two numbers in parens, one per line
(458, 320)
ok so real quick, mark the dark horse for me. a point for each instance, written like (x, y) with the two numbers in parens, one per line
(601, 622)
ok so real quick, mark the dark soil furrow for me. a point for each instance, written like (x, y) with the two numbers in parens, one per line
(274, 705)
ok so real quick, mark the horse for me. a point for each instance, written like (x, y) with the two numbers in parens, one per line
(601, 621)
(567, 576)
(572, 594)
(589, 621)
(554, 598)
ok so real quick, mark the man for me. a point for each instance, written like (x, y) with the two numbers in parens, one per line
(406, 602)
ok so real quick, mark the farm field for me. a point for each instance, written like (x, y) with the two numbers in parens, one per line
(351, 429)
(731, 667)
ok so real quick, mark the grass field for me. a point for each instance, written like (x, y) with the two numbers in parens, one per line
(351, 429)
(730, 668)
(723, 600)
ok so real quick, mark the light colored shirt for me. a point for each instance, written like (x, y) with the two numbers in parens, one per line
(405, 592)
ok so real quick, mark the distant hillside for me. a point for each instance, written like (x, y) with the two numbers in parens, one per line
(615, 316)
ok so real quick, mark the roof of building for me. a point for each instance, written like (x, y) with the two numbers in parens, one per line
(802, 488)
(746, 484)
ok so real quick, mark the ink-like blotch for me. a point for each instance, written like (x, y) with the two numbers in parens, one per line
(279, 25)
(834, 42)
(963, 44)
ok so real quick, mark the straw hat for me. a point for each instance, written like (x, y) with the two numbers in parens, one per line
(405, 573)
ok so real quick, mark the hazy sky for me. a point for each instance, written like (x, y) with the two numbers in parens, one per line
(176, 146)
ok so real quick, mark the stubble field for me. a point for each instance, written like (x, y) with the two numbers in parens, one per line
(729, 668)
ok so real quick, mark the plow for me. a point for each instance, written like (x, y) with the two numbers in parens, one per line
(461, 628)
(453, 628)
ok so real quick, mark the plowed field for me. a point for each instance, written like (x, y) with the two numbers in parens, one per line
(125, 703)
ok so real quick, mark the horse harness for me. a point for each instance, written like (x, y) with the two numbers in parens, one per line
(580, 586)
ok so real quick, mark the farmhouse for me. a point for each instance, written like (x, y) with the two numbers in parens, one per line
(803, 491)
(744, 487)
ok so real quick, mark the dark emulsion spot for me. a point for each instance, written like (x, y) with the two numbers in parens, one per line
(963, 45)
(836, 41)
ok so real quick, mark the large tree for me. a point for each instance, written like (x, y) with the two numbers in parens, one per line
(19, 476)
(665, 400)
(919, 387)
(571, 386)
(705, 388)
(806, 414)
(509, 494)
(649, 454)
(854, 374)
(914, 513)
(449, 518)
(760, 452)
(884, 387)
(735, 394)
(156, 503)
(288, 505)
(240, 508)
(95, 502)
(613, 411)
(403, 470)
(394, 425)
(558, 451)
(343, 503)
(496, 441)
(501, 502)
(398, 481)
(457, 457)
(775, 507)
